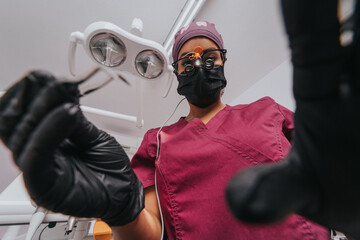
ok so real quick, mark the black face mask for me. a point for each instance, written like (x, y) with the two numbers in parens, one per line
(203, 87)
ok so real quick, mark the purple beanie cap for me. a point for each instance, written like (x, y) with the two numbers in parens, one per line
(196, 29)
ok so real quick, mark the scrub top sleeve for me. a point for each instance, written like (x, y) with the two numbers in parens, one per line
(288, 123)
(143, 162)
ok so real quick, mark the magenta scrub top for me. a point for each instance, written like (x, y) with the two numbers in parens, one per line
(197, 160)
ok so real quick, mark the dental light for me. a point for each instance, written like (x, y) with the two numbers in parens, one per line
(117, 51)
(107, 49)
(149, 64)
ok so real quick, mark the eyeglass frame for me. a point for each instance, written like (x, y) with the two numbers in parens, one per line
(223, 58)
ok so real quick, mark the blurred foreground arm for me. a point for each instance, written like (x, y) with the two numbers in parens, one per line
(320, 178)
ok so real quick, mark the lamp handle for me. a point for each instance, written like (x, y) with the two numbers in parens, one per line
(169, 81)
(75, 38)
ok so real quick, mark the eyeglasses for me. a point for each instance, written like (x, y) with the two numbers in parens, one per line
(208, 59)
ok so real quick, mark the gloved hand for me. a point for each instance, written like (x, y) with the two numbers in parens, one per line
(320, 178)
(69, 165)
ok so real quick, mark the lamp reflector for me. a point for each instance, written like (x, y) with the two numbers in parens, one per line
(108, 49)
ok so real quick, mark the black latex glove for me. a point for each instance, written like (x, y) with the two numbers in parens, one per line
(320, 178)
(69, 165)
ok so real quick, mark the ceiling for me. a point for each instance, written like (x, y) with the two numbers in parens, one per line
(35, 35)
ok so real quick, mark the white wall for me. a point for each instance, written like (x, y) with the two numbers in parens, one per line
(277, 84)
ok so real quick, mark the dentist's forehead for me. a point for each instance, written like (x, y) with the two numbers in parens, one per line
(196, 29)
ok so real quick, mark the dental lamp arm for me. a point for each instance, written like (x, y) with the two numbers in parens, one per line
(35, 221)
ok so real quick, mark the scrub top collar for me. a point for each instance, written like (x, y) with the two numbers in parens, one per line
(215, 119)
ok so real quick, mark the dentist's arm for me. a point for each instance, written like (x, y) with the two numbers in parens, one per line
(69, 165)
(147, 225)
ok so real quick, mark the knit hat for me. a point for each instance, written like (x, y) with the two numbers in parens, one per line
(196, 29)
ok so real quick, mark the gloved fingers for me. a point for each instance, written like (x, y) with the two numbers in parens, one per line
(268, 193)
(46, 100)
(37, 157)
(88, 136)
(12, 107)
(30, 84)
(16, 100)
(316, 53)
(303, 24)
(101, 150)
